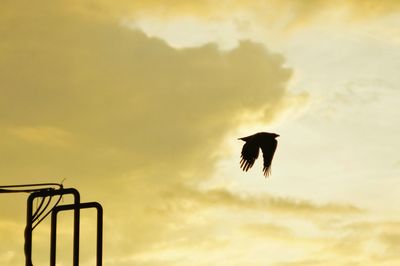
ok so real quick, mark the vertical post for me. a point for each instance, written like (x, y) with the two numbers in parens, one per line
(28, 233)
(53, 238)
(99, 239)
(29, 221)
(76, 232)
(53, 232)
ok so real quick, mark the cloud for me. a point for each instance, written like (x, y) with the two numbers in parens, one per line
(47, 135)
(310, 262)
(202, 222)
(125, 97)
(283, 14)
(8, 231)
(366, 242)
(186, 197)
(131, 122)
(270, 230)
(391, 241)
(210, 8)
(122, 116)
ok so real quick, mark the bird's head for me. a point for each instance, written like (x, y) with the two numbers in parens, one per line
(275, 135)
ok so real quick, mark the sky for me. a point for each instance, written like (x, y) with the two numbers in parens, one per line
(140, 104)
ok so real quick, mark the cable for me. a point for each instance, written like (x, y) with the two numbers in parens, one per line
(58, 201)
(38, 208)
(12, 188)
(33, 185)
(40, 213)
(35, 217)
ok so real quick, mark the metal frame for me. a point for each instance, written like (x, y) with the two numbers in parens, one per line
(77, 208)
(29, 221)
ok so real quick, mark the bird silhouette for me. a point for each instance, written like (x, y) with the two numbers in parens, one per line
(264, 140)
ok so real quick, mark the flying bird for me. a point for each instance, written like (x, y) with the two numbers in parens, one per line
(264, 140)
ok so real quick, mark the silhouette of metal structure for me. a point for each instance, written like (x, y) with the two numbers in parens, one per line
(77, 208)
(32, 219)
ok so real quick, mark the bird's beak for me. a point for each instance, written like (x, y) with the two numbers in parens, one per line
(277, 135)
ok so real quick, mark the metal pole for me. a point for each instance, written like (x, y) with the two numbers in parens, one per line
(53, 232)
(29, 221)
(75, 207)
(28, 233)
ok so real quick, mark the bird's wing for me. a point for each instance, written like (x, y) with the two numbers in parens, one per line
(250, 152)
(268, 148)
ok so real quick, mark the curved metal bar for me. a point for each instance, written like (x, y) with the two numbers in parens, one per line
(77, 207)
(29, 221)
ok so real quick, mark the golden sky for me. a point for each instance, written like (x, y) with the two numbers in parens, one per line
(139, 104)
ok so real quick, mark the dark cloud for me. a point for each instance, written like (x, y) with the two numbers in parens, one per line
(124, 100)
(188, 197)
(122, 116)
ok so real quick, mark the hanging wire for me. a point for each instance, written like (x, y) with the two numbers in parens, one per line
(48, 212)
(38, 208)
(45, 202)
(40, 211)
(15, 188)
